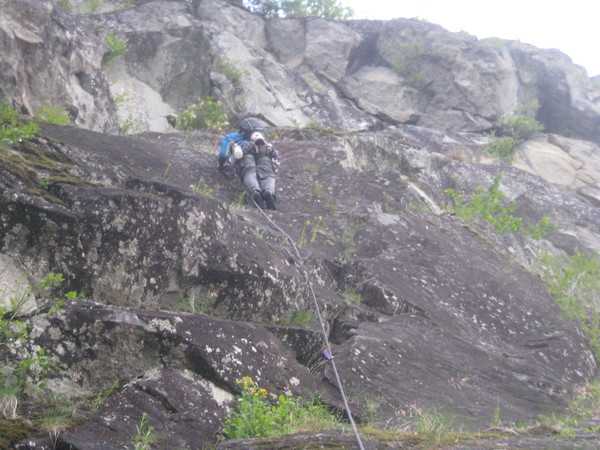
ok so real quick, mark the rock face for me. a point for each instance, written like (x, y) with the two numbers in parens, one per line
(184, 289)
(353, 75)
(50, 57)
(427, 331)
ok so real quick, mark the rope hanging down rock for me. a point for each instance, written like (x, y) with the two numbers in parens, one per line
(321, 322)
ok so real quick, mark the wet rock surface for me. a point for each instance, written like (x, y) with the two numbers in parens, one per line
(445, 313)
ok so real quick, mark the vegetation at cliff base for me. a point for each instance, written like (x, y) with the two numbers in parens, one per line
(574, 281)
(256, 416)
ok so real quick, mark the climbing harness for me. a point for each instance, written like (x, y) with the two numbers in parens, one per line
(327, 352)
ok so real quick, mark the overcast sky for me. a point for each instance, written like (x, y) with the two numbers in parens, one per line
(570, 26)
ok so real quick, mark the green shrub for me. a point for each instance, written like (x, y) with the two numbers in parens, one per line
(254, 416)
(520, 125)
(51, 114)
(12, 130)
(117, 46)
(513, 129)
(229, 68)
(489, 205)
(575, 284)
(408, 66)
(23, 372)
(209, 113)
(502, 148)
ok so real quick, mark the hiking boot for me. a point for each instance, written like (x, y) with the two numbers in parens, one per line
(258, 199)
(269, 200)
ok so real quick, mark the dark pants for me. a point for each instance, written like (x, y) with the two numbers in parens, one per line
(257, 173)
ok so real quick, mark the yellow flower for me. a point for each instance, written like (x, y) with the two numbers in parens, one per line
(320, 218)
(246, 381)
(307, 222)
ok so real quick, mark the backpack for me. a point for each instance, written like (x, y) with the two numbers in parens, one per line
(249, 125)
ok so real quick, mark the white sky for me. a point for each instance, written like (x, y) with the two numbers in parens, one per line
(570, 26)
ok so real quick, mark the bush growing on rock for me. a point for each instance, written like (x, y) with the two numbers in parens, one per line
(12, 130)
(489, 205)
(209, 113)
(575, 283)
(254, 416)
(24, 370)
(513, 129)
(54, 115)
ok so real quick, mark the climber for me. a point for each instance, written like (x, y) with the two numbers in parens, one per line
(254, 159)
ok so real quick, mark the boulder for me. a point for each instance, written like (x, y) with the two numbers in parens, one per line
(184, 411)
(182, 370)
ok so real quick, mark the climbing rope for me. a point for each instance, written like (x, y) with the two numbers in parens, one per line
(329, 354)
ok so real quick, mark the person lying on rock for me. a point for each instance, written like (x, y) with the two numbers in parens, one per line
(254, 160)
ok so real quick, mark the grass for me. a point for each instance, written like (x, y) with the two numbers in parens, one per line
(311, 168)
(195, 305)
(353, 297)
(59, 415)
(36, 167)
(302, 319)
(145, 434)
(101, 397)
(348, 239)
(433, 425)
